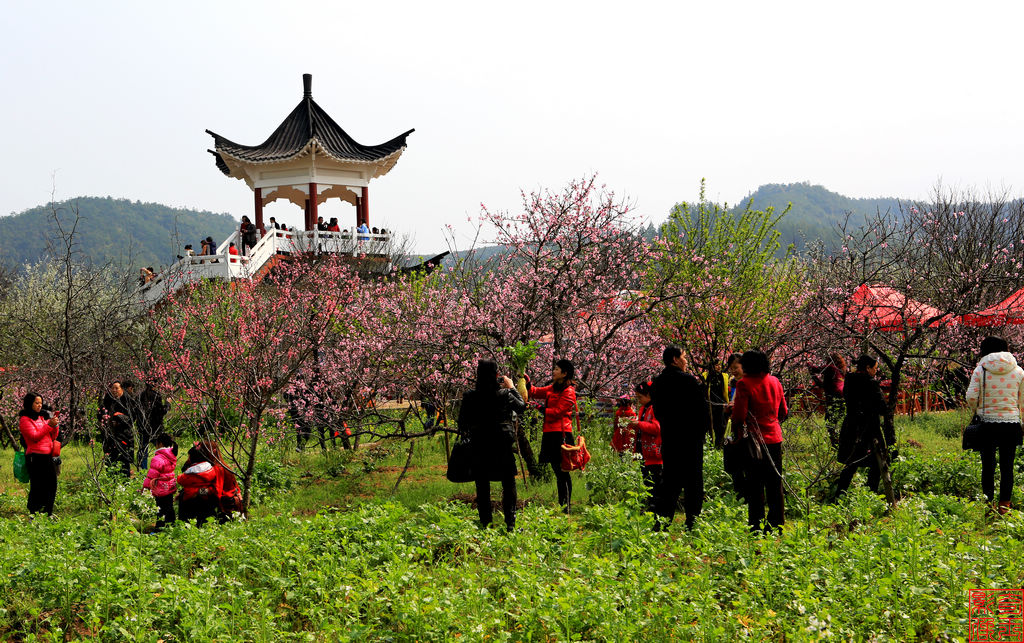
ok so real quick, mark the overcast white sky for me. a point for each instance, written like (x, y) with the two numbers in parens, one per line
(868, 99)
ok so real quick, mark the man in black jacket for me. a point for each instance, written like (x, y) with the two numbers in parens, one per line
(681, 408)
(117, 428)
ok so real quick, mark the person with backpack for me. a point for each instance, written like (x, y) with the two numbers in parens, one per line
(160, 479)
(487, 417)
(560, 403)
(39, 432)
(757, 413)
(647, 443)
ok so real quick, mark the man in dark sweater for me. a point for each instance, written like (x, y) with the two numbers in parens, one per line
(682, 410)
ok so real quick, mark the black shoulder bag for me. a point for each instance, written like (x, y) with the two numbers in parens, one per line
(972, 438)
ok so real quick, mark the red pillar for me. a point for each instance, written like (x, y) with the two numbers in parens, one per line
(305, 217)
(259, 210)
(312, 206)
(366, 205)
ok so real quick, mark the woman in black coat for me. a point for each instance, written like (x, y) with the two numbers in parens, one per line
(487, 417)
(861, 439)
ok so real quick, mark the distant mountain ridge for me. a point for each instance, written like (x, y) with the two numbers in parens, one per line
(136, 234)
(816, 210)
(127, 233)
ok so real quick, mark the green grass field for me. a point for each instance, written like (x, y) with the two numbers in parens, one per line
(334, 551)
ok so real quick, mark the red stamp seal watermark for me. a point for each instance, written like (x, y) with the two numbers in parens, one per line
(995, 615)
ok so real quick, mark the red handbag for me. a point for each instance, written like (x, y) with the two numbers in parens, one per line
(575, 456)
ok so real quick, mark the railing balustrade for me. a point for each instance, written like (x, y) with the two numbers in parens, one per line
(224, 266)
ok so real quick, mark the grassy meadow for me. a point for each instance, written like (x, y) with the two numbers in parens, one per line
(352, 546)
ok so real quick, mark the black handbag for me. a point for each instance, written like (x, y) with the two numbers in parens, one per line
(460, 463)
(972, 437)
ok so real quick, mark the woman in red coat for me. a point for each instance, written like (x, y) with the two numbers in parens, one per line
(560, 402)
(648, 442)
(198, 481)
(39, 433)
(758, 410)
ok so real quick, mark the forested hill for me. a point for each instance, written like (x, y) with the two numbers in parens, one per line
(815, 212)
(128, 233)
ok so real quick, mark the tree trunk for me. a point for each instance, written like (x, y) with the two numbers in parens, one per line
(250, 465)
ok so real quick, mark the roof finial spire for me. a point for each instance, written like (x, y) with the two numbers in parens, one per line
(307, 85)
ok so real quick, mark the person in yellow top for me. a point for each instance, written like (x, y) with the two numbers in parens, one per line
(717, 385)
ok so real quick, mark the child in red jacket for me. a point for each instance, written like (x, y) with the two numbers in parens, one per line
(648, 442)
(160, 479)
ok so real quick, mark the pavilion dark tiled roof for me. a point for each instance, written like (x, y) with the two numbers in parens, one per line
(293, 138)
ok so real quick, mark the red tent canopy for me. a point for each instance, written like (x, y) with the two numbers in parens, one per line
(1008, 311)
(885, 308)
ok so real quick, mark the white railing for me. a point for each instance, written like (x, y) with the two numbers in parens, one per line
(225, 267)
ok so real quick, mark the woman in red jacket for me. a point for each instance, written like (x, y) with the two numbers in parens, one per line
(648, 442)
(198, 481)
(39, 434)
(758, 409)
(560, 402)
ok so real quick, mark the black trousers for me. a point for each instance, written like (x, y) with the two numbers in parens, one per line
(563, 482)
(119, 456)
(42, 478)
(846, 476)
(653, 481)
(835, 410)
(200, 509)
(165, 506)
(683, 474)
(718, 424)
(764, 485)
(508, 501)
(1007, 453)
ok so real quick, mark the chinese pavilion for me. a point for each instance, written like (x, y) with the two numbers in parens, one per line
(308, 159)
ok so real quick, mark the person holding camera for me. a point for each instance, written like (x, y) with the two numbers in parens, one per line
(487, 416)
(39, 430)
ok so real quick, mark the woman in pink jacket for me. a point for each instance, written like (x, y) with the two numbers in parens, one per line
(39, 434)
(160, 478)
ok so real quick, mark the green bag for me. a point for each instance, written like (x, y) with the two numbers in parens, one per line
(20, 467)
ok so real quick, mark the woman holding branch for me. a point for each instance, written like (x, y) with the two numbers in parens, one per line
(560, 402)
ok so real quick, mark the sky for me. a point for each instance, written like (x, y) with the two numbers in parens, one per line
(868, 99)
